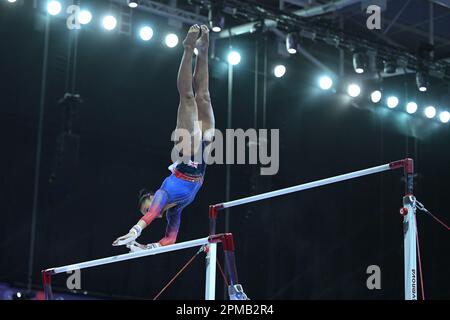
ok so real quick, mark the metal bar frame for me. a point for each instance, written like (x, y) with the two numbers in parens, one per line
(210, 244)
(408, 212)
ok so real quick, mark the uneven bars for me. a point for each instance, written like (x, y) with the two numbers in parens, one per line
(128, 256)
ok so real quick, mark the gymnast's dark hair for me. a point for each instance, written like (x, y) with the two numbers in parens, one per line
(144, 194)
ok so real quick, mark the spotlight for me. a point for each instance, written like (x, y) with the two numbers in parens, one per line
(234, 58)
(216, 19)
(292, 43)
(12, 1)
(444, 116)
(279, 71)
(109, 23)
(133, 3)
(376, 96)
(54, 7)
(392, 102)
(325, 83)
(84, 17)
(354, 90)
(390, 66)
(411, 107)
(422, 81)
(172, 40)
(359, 63)
(430, 112)
(146, 33)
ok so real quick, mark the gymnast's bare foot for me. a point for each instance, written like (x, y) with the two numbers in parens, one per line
(191, 38)
(202, 43)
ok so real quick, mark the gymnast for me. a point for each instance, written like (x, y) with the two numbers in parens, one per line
(196, 116)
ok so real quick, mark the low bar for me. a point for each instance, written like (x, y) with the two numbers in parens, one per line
(210, 248)
(128, 256)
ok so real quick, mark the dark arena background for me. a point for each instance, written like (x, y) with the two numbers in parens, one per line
(87, 115)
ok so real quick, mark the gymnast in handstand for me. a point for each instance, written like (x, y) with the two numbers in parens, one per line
(196, 116)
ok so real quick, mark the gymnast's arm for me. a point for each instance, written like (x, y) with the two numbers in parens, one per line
(158, 204)
(173, 224)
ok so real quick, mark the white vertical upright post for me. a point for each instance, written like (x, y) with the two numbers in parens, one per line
(211, 261)
(410, 236)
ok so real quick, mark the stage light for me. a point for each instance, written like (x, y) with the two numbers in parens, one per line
(85, 17)
(234, 58)
(292, 43)
(354, 90)
(392, 102)
(411, 107)
(146, 33)
(376, 96)
(359, 62)
(279, 71)
(109, 23)
(218, 24)
(325, 83)
(172, 40)
(12, 1)
(444, 116)
(216, 19)
(54, 7)
(133, 3)
(430, 112)
(422, 81)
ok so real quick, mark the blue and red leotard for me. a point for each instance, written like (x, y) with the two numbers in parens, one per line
(180, 188)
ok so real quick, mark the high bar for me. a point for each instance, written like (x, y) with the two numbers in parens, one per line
(129, 256)
(407, 164)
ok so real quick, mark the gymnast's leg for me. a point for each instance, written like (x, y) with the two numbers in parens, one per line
(187, 118)
(173, 216)
(201, 86)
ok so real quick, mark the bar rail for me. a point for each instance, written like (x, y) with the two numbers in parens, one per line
(128, 256)
(407, 164)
